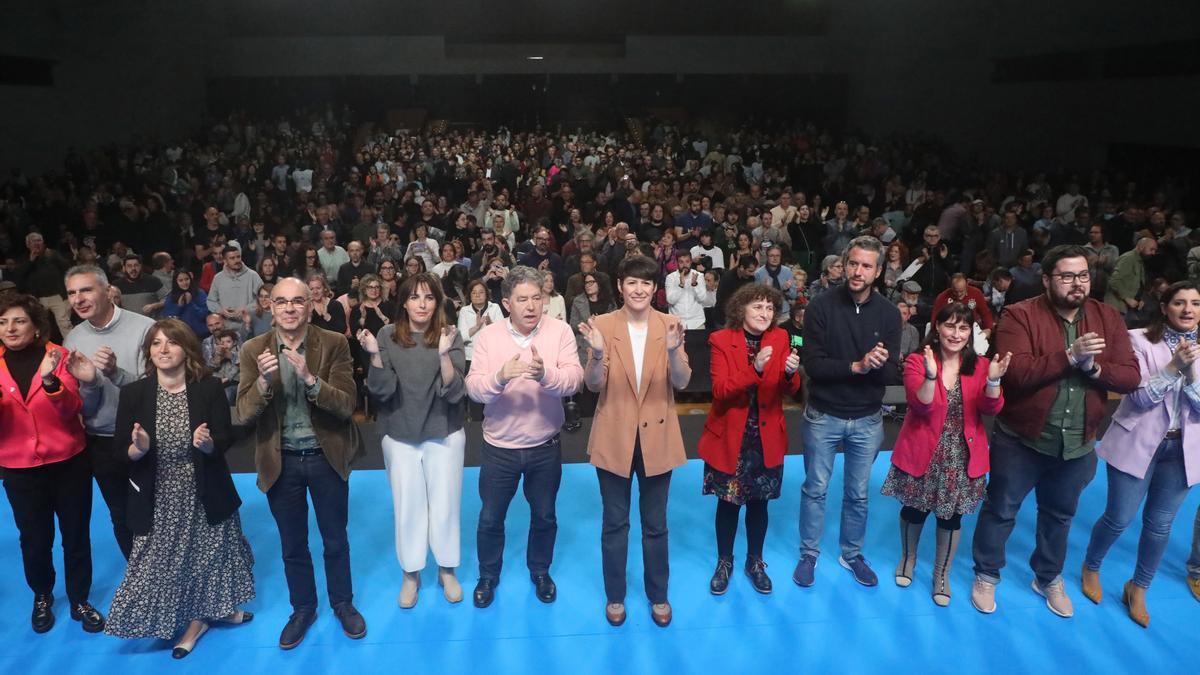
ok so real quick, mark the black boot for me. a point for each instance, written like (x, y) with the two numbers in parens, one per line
(43, 612)
(720, 577)
(756, 569)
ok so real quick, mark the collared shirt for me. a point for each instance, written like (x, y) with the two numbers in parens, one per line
(523, 341)
(297, 431)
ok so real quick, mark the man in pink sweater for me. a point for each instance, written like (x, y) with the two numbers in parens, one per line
(521, 370)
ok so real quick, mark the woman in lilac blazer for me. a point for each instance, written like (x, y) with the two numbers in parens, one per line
(1152, 446)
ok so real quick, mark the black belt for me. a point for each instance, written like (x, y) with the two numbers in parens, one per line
(1173, 435)
(303, 453)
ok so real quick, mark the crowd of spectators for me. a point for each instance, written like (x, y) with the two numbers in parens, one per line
(201, 229)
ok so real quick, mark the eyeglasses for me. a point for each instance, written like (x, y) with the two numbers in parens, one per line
(374, 287)
(590, 281)
(284, 302)
(1068, 278)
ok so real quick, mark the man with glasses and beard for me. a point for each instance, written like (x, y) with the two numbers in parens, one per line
(1068, 352)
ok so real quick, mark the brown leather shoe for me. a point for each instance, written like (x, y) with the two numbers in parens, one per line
(1134, 598)
(661, 613)
(1194, 586)
(1091, 585)
(615, 613)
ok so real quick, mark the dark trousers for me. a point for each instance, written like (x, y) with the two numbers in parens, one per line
(500, 471)
(37, 495)
(1016, 470)
(113, 478)
(288, 499)
(615, 493)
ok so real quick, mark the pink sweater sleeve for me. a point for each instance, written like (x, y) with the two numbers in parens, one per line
(564, 375)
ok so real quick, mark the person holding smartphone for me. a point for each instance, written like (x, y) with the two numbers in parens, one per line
(745, 436)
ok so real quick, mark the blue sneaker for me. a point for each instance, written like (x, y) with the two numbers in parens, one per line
(860, 569)
(803, 575)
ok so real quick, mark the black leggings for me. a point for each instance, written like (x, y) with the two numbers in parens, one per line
(727, 524)
(917, 517)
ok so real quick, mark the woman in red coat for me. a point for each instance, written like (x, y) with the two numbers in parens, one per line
(745, 436)
(47, 475)
(940, 460)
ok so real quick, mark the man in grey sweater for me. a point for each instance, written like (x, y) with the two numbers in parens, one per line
(106, 353)
(234, 289)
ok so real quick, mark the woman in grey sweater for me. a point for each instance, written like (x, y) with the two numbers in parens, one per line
(416, 378)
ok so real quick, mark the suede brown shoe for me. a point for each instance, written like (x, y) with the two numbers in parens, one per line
(1090, 580)
(1194, 586)
(1134, 597)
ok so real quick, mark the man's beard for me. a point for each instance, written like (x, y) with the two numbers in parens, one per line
(1065, 302)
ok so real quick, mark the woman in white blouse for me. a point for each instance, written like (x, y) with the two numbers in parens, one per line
(553, 305)
(474, 316)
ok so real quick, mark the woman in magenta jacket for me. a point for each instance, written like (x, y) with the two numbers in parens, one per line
(941, 455)
(745, 436)
(41, 450)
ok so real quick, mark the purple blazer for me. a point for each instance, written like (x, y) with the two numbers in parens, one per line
(1139, 424)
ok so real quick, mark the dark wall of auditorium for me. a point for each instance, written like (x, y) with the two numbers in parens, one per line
(1061, 85)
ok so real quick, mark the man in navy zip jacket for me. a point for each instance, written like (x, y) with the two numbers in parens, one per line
(850, 333)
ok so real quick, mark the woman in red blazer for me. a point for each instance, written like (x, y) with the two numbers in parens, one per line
(745, 436)
(941, 454)
(41, 451)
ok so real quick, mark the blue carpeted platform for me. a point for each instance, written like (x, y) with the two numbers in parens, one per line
(835, 626)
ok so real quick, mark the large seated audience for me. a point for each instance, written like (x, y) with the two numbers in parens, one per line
(296, 269)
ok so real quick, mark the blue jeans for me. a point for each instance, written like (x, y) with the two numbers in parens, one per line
(500, 471)
(288, 499)
(1016, 470)
(1164, 488)
(1193, 563)
(860, 438)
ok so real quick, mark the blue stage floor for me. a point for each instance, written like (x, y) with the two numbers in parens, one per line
(836, 626)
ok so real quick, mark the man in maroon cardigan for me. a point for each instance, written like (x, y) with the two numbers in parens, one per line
(1068, 351)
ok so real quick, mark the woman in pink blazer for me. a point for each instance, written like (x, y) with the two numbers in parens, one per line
(1152, 446)
(941, 454)
(41, 451)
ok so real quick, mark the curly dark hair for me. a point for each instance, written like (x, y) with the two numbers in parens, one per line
(735, 306)
(38, 315)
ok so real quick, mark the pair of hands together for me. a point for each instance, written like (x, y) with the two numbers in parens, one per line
(996, 369)
(594, 339)
(790, 366)
(81, 367)
(370, 344)
(201, 439)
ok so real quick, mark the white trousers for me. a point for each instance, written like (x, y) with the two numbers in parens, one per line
(426, 482)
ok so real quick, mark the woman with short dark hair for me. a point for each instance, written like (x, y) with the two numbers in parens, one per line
(46, 471)
(190, 564)
(635, 362)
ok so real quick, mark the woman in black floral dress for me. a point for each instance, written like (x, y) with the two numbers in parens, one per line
(190, 563)
(744, 440)
(940, 461)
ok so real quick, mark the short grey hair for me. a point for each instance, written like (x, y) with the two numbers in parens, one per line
(521, 274)
(32, 237)
(77, 270)
(866, 243)
(829, 261)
